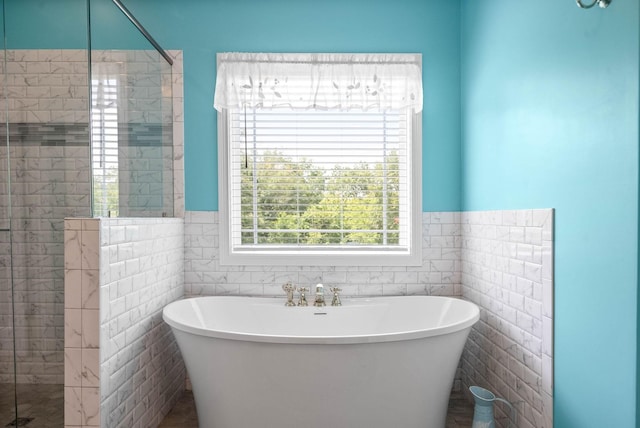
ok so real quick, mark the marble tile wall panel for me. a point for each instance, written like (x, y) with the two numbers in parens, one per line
(141, 271)
(507, 270)
(81, 326)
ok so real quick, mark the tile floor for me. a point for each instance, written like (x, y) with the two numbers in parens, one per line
(183, 414)
(44, 403)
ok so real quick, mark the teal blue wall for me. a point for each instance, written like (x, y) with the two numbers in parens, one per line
(550, 119)
(203, 27)
(46, 24)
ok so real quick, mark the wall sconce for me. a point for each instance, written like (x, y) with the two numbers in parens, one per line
(601, 3)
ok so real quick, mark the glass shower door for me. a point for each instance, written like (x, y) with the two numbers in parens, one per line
(47, 178)
(8, 403)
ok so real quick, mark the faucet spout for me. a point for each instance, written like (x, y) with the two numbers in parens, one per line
(319, 300)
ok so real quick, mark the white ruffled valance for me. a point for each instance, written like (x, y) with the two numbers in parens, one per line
(319, 81)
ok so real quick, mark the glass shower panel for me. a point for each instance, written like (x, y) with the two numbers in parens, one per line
(7, 356)
(48, 104)
(131, 119)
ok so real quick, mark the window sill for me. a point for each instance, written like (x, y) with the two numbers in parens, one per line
(321, 258)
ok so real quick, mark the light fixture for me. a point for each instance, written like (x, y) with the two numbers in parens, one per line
(601, 3)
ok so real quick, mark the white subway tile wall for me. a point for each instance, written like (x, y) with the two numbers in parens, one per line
(439, 274)
(507, 270)
(141, 271)
(47, 86)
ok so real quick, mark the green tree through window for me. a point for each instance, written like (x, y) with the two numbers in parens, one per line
(284, 201)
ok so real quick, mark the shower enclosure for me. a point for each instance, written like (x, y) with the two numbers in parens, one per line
(87, 131)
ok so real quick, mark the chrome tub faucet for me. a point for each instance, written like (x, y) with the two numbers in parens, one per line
(319, 300)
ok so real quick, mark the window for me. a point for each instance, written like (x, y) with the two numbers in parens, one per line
(104, 139)
(328, 180)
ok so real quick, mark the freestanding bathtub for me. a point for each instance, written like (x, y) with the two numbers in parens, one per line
(384, 362)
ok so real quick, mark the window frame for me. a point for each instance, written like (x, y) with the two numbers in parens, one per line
(319, 256)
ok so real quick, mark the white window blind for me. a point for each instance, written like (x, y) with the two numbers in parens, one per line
(104, 140)
(339, 177)
(319, 178)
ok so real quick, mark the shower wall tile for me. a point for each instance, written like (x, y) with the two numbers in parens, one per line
(81, 332)
(47, 86)
(73, 328)
(73, 250)
(507, 270)
(72, 406)
(90, 288)
(73, 367)
(141, 271)
(90, 413)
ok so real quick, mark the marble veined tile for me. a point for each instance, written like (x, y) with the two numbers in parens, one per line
(90, 289)
(72, 249)
(90, 328)
(73, 367)
(72, 288)
(90, 407)
(72, 406)
(90, 368)
(73, 328)
(90, 246)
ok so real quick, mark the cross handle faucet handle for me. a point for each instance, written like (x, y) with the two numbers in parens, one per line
(336, 296)
(289, 288)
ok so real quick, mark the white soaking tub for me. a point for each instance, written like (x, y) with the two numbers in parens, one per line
(384, 362)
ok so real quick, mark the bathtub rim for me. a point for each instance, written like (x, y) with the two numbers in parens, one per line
(464, 323)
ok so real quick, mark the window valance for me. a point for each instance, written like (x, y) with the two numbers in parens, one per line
(319, 81)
